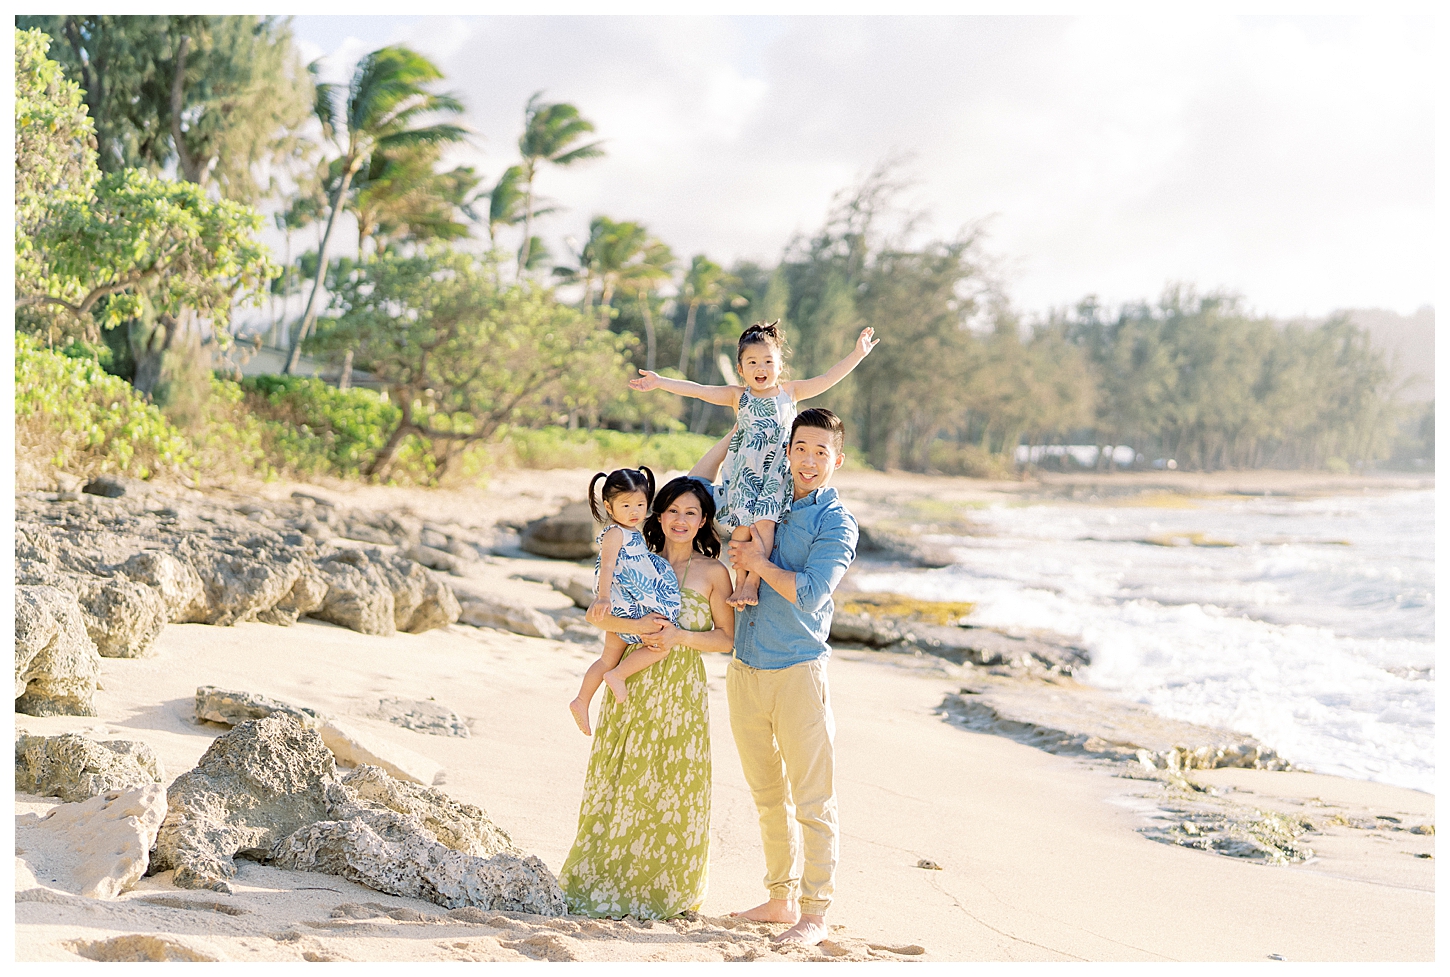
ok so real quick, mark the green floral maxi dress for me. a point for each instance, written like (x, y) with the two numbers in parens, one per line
(643, 845)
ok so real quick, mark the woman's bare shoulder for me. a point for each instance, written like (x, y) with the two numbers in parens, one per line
(714, 571)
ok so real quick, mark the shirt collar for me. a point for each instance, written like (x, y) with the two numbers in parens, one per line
(815, 497)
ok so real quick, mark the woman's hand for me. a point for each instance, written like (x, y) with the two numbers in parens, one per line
(864, 342)
(665, 638)
(653, 623)
(647, 380)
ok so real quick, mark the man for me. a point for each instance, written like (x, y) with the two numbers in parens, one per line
(780, 704)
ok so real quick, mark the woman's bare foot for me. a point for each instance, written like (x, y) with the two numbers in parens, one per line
(616, 685)
(772, 911)
(579, 709)
(808, 931)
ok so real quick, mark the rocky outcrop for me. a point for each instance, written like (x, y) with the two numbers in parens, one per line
(269, 790)
(485, 611)
(56, 663)
(97, 848)
(883, 544)
(375, 593)
(424, 716)
(75, 767)
(253, 787)
(234, 708)
(569, 534)
(136, 561)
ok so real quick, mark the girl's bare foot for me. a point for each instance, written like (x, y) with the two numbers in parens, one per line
(579, 709)
(616, 685)
(747, 594)
(808, 931)
(772, 911)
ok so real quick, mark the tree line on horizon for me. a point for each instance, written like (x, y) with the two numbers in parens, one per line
(146, 144)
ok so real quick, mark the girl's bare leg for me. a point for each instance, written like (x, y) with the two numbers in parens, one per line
(608, 659)
(747, 591)
(638, 660)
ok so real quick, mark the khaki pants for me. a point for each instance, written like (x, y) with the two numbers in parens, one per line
(784, 731)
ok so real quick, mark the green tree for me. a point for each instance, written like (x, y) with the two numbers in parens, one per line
(401, 196)
(382, 111)
(224, 98)
(465, 356)
(550, 130)
(706, 284)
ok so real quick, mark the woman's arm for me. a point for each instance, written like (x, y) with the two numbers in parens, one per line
(708, 467)
(725, 396)
(815, 386)
(721, 638)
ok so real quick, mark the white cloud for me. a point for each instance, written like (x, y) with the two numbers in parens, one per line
(1289, 159)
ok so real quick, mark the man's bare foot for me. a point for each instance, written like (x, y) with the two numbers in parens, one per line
(772, 911)
(808, 931)
(616, 685)
(579, 709)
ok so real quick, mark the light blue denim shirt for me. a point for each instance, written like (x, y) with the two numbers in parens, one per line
(816, 539)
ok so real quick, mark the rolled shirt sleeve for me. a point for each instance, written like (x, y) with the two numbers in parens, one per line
(831, 554)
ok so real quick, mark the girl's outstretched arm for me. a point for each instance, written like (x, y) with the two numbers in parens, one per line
(726, 395)
(815, 386)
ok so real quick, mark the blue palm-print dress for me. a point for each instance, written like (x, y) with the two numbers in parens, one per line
(643, 582)
(757, 463)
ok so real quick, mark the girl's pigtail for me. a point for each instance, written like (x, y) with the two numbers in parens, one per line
(649, 485)
(595, 507)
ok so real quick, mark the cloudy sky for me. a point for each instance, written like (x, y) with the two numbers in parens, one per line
(1289, 159)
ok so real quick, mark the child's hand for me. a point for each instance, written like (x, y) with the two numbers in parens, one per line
(647, 380)
(865, 343)
(651, 623)
(597, 612)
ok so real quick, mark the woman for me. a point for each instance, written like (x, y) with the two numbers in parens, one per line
(644, 825)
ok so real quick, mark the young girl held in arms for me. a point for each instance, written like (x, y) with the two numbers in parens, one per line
(631, 585)
(756, 475)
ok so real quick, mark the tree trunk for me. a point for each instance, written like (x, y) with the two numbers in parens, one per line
(649, 331)
(189, 166)
(150, 354)
(528, 221)
(384, 458)
(689, 337)
(344, 381)
(310, 313)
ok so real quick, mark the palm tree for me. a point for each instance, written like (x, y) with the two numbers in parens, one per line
(705, 284)
(651, 267)
(549, 131)
(385, 99)
(614, 246)
(505, 203)
(401, 195)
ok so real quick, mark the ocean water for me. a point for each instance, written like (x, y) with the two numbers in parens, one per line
(1313, 633)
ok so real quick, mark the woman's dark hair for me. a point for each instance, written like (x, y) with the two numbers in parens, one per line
(619, 482)
(763, 333)
(706, 541)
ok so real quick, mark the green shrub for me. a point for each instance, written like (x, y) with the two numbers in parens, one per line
(79, 418)
(311, 428)
(558, 447)
(969, 460)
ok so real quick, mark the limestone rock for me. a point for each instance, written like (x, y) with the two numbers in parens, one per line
(435, 559)
(177, 583)
(244, 575)
(395, 853)
(98, 848)
(454, 824)
(123, 617)
(483, 611)
(145, 948)
(56, 663)
(234, 708)
(578, 589)
(75, 767)
(569, 534)
(306, 596)
(115, 486)
(421, 601)
(364, 533)
(424, 716)
(358, 596)
(883, 544)
(254, 785)
(353, 747)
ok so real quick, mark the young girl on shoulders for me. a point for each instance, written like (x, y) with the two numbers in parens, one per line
(631, 585)
(756, 475)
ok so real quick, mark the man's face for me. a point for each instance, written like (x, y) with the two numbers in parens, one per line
(813, 459)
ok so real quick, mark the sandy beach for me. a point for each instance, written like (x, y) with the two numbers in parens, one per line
(1038, 856)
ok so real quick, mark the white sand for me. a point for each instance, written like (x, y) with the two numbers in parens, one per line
(1039, 855)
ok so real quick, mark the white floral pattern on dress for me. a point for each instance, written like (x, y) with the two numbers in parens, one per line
(643, 845)
(643, 582)
(756, 471)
